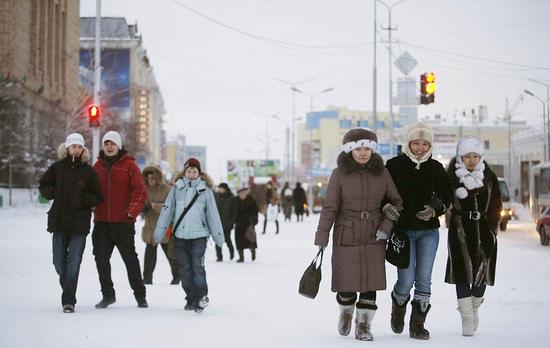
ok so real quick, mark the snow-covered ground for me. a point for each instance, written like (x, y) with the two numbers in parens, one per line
(255, 304)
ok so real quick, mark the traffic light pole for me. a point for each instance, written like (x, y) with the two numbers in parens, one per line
(97, 78)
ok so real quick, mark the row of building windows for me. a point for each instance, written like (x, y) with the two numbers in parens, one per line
(346, 124)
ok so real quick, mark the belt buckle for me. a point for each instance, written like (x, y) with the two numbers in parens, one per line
(364, 215)
(475, 215)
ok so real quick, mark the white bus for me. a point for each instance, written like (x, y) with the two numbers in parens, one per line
(539, 199)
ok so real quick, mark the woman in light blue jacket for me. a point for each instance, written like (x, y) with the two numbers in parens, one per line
(191, 235)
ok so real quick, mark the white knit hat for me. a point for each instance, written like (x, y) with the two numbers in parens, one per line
(419, 131)
(74, 139)
(114, 137)
(468, 144)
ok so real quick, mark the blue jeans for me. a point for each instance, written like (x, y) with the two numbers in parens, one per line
(423, 249)
(190, 256)
(67, 252)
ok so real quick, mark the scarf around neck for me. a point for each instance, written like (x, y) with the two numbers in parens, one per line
(471, 179)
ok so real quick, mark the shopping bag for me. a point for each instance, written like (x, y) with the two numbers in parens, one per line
(398, 248)
(309, 283)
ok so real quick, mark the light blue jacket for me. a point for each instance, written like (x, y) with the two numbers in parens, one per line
(202, 220)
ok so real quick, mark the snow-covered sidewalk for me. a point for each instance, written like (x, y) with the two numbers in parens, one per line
(252, 304)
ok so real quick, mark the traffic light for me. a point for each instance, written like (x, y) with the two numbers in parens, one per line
(427, 88)
(93, 115)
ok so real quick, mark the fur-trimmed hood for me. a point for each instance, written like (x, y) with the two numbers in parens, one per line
(204, 177)
(63, 152)
(347, 164)
(155, 171)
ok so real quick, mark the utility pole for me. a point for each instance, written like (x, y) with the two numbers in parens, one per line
(509, 119)
(374, 73)
(97, 78)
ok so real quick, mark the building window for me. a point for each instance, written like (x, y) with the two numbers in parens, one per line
(487, 145)
(363, 123)
(345, 124)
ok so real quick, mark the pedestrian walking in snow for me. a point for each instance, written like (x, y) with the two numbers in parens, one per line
(472, 235)
(300, 201)
(191, 201)
(74, 187)
(272, 211)
(157, 190)
(355, 192)
(124, 194)
(247, 218)
(426, 192)
(287, 201)
(226, 203)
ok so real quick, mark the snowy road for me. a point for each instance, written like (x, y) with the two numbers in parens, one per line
(252, 304)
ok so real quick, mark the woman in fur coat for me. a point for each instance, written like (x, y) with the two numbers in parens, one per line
(74, 187)
(472, 241)
(201, 221)
(353, 201)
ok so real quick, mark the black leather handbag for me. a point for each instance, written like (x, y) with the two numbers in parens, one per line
(398, 248)
(309, 283)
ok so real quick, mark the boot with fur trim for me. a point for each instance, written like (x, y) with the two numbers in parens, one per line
(466, 309)
(416, 323)
(398, 314)
(476, 303)
(344, 322)
(363, 321)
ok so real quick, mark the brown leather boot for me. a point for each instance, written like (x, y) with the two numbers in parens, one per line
(416, 324)
(398, 314)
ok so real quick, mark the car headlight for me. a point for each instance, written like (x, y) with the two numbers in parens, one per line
(503, 213)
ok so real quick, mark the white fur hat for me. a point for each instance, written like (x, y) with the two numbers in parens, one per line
(114, 137)
(74, 139)
(468, 144)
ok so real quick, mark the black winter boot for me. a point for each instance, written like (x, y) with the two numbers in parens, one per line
(277, 225)
(416, 324)
(241, 255)
(253, 251)
(398, 314)
(105, 301)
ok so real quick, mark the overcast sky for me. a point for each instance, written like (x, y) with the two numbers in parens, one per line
(215, 73)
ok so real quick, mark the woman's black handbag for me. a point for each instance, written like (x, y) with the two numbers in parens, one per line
(309, 284)
(437, 203)
(398, 248)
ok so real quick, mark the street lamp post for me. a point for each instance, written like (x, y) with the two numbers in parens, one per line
(546, 124)
(97, 77)
(547, 85)
(389, 28)
(293, 135)
(287, 146)
(266, 136)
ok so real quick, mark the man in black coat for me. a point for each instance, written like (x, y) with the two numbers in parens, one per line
(74, 187)
(225, 201)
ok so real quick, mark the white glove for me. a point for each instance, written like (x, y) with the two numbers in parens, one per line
(381, 235)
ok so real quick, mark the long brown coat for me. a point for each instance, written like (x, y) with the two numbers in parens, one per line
(155, 194)
(358, 260)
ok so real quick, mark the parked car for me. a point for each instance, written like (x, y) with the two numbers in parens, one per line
(543, 226)
(507, 211)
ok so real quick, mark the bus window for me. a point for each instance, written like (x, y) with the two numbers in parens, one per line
(504, 194)
(536, 188)
(544, 181)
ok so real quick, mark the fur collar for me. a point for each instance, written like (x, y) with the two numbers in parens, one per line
(63, 152)
(471, 179)
(204, 177)
(347, 164)
(157, 173)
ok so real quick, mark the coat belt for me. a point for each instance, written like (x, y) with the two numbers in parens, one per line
(470, 214)
(361, 215)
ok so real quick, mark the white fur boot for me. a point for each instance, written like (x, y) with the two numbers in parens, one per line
(476, 303)
(363, 321)
(466, 309)
(346, 316)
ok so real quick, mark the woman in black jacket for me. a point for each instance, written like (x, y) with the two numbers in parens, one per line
(74, 187)
(247, 216)
(423, 184)
(225, 201)
(472, 241)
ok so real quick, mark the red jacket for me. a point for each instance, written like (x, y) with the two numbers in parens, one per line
(123, 189)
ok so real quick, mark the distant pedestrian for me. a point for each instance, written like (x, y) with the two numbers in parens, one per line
(355, 193)
(74, 187)
(272, 210)
(227, 207)
(247, 217)
(157, 190)
(300, 201)
(287, 201)
(192, 192)
(472, 239)
(124, 194)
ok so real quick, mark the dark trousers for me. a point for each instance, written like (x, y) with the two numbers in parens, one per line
(366, 299)
(190, 256)
(467, 290)
(67, 250)
(150, 261)
(276, 226)
(227, 235)
(104, 238)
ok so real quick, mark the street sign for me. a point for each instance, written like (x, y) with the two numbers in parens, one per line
(405, 63)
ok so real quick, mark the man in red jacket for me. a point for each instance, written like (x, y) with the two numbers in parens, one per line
(124, 194)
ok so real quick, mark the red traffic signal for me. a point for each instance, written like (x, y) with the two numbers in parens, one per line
(93, 115)
(427, 88)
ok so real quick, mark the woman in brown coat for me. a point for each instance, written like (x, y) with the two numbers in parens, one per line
(355, 192)
(157, 191)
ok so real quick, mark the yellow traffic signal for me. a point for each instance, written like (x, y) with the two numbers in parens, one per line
(427, 88)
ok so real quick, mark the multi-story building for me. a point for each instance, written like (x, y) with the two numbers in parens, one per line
(38, 83)
(529, 147)
(130, 95)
